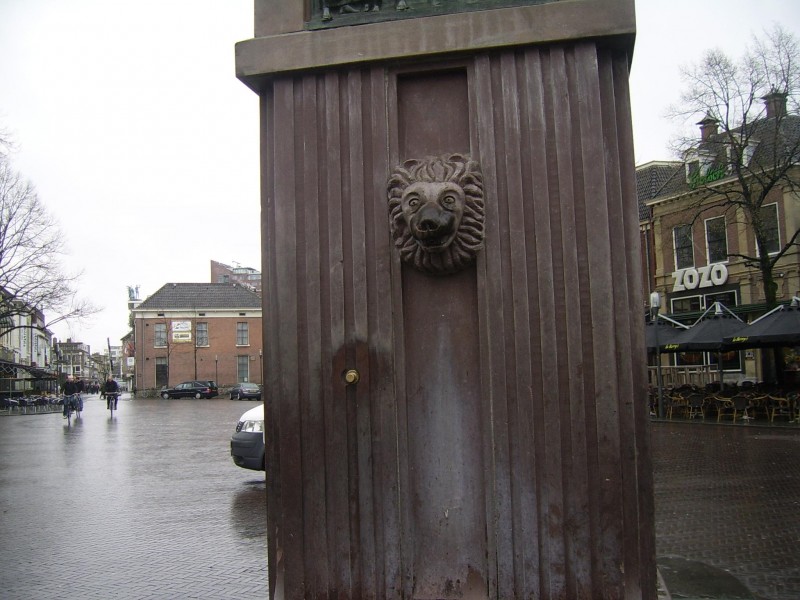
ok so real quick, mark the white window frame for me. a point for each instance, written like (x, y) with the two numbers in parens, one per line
(157, 338)
(777, 227)
(708, 245)
(198, 338)
(245, 330)
(243, 368)
(675, 246)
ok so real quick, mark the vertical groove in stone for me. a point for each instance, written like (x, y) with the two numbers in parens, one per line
(567, 499)
(567, 318)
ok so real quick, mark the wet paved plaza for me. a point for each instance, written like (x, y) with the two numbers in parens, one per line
(728, 497)
(145, 505)
(150, 505)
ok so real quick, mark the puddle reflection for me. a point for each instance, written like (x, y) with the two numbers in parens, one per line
(249, 510)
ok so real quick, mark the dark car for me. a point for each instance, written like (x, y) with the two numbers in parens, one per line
(247, 442)
(246, 391)
(189, 389)
(212, 385)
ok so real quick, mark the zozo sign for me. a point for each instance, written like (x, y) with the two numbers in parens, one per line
(701, 277)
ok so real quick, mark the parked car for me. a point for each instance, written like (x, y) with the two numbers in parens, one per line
(213, 385)
(189, 389)
(247, 443)
(246, 391)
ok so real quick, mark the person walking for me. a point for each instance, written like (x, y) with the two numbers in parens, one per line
(111, 392)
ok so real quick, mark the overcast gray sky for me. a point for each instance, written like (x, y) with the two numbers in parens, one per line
(140, 140)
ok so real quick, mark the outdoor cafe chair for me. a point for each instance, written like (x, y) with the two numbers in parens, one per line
(780, 407)
(696, 405)
(760, 405)
(724, 407)
(675, 404)
(735, 407)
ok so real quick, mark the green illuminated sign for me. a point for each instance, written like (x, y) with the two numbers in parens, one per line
(696, 179)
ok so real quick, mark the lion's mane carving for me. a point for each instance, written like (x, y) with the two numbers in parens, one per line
(436, 211)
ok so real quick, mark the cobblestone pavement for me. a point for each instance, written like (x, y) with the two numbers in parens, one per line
(729, 497)
(149, 505)
(145, 505)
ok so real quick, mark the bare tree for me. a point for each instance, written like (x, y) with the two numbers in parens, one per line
(750, 145)
(31, 245)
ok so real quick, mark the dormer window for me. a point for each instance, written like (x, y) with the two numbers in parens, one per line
(749, 150)
(692, 168)
(702, 168)
(747, 147)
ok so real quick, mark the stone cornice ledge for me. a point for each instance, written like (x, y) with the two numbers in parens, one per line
(260, 59)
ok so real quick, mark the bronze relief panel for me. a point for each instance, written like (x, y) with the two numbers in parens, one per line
(337, 13)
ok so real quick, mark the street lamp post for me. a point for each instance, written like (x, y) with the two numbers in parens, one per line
(655, 305)
(216, 369)
(261, 364)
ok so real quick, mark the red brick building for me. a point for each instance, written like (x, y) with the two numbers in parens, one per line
(247, 276)
(187, 331)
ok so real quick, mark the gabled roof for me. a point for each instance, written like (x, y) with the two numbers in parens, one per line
(761, 133)
(650, 178)
(200, 296)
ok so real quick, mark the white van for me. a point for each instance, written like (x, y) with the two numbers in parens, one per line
(247, 443)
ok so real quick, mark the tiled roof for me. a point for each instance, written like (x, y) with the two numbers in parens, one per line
(762, 132)
(650, 178)
(201, 296)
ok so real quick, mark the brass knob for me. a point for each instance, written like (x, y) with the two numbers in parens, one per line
(351, 376)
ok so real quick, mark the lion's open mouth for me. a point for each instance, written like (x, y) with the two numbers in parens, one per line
(434, 241)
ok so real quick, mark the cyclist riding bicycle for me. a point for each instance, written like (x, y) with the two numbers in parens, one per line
(71, 392)
(111, 392)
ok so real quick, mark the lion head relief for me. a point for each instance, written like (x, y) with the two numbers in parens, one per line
(436, 212)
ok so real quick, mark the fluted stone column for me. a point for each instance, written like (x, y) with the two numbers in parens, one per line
(454, 369)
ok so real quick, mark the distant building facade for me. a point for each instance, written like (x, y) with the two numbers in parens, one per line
(189, 331)
(76, 359)
(694, 244)
(246, 276)
(26, 361)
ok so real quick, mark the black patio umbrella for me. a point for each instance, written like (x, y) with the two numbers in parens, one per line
(707, 335)
(781, 327)
(664, 332)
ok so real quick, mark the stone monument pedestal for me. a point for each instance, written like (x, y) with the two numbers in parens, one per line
(454, 352)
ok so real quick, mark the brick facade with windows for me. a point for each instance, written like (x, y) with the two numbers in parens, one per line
(188, 331)
(694, 245)
(247, 276)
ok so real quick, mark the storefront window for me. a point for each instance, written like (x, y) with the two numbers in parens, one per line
(732, 360)
(690, 304)
(727, 298)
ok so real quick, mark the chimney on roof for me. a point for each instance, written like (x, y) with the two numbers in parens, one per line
(775, 102)
(708, 127)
